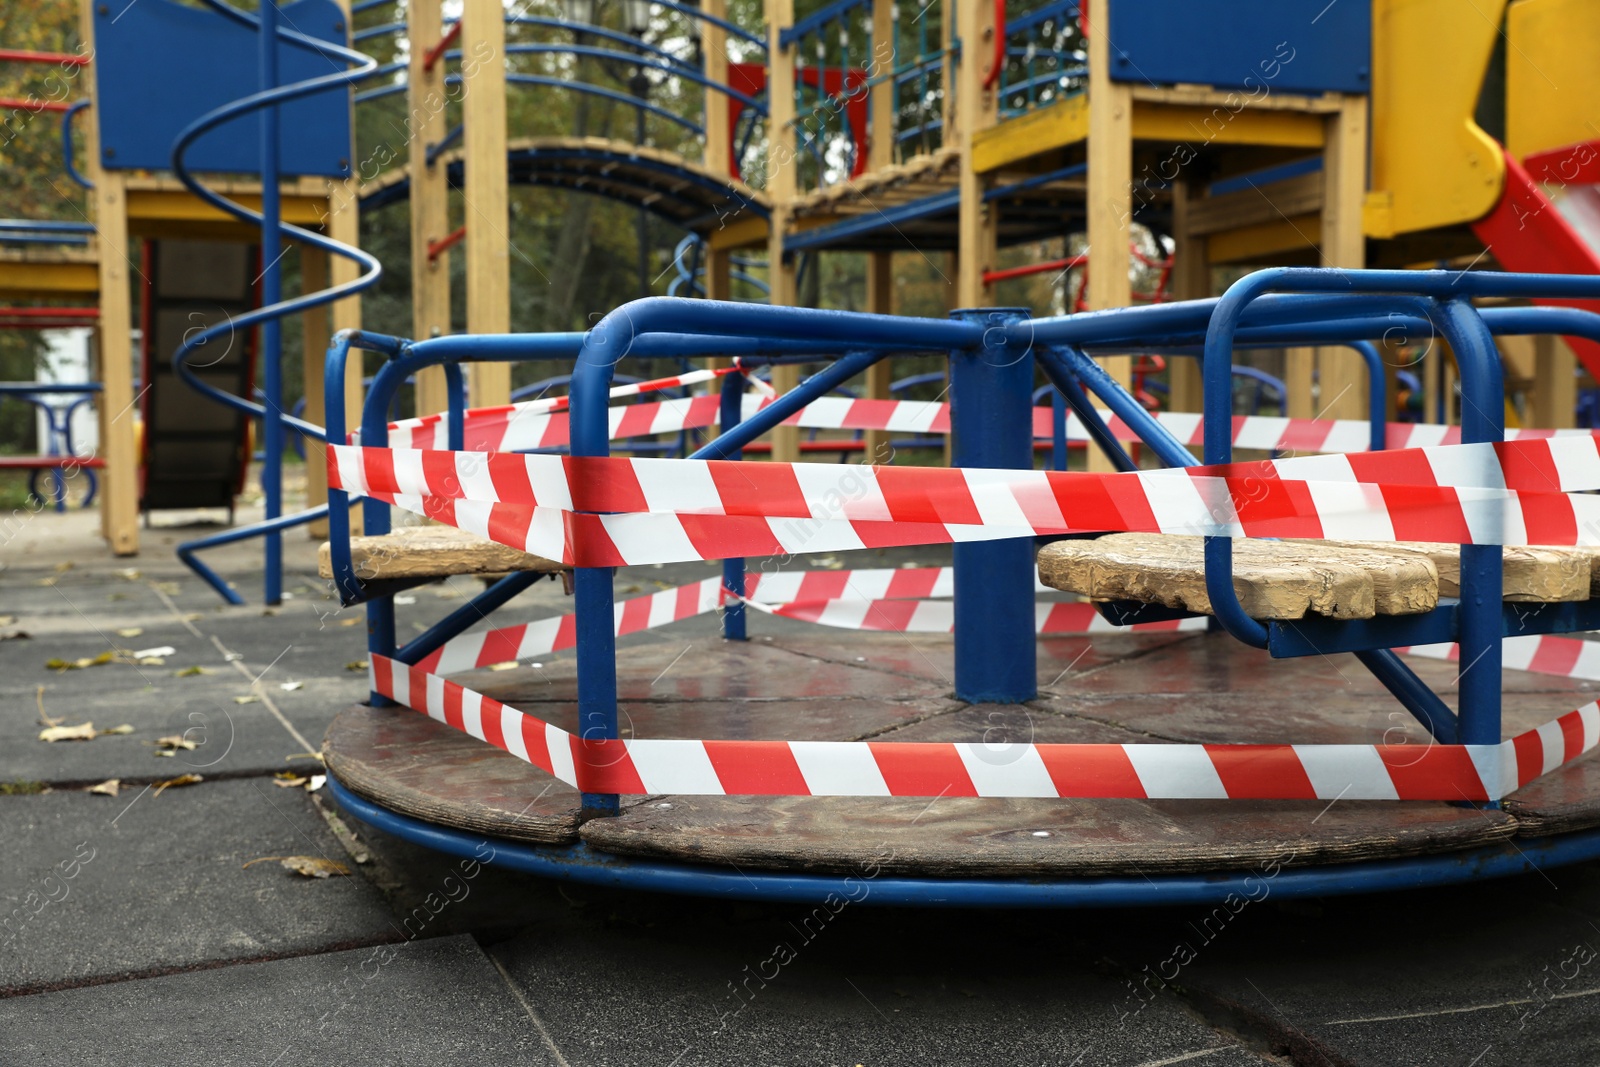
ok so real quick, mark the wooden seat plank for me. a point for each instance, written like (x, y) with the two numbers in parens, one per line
(1273, 579)
(431, 552)
(1532, 574)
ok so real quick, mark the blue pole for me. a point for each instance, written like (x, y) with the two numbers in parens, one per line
(991, 420)
(733, 569)
(271, 293)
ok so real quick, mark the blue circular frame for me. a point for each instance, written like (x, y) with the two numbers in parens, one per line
(580, 863)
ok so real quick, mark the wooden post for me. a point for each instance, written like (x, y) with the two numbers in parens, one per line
(781, 189)
(343, 224)
(1191, 280)
(976, 107)
(1110, 190)
(880, 97)
(429, 201)
(117, 407)
(1555, 389)
(315, 335)
(487, 204)
(1341, 374)
(880, 301)
(714, 47)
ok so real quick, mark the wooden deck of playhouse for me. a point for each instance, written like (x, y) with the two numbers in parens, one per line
(1126, 688)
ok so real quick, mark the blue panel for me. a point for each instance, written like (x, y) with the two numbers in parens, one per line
(1256, 46)
(159, 66)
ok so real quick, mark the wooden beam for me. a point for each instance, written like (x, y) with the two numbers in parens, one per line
(343, 224)
(315, 335)
(1265, 203)
(1555, 390)
(880, 301)
(978, 108)
(714, 47)
(1340, 372)
(1191, 280)
(1265, 242)
(880, 98)
(117, 407)
(485, 193)
(1110, 197)
(781, 189)
(429, 201)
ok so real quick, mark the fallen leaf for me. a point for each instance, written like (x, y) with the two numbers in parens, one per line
(351, 622)
(289, 687)
(107, 788)
(316, 782)
(151, 661)
(314, 867)
(81, 732)
(174, 783)
(129, 574)
(47, 582)
(164, 752)
(7, 620)
(170, 588)
(356, 665)
(123, 729)
(175, 741)
(130, 631)
(189, 672)
(64, 566)
(247, 700)
(289, 779)
(631, 589)
(508, 665)
(160, 650)
(16, 635)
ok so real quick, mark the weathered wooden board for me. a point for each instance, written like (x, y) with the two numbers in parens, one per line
(431, 551)
(1273, 579)
(1531, 574)
(413, 765)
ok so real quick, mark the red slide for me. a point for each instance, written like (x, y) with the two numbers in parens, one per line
(1526, 233)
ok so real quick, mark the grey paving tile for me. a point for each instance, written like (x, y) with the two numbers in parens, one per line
(438, 1002)
(96, 887)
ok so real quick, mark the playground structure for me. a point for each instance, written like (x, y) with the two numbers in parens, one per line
(958, 132)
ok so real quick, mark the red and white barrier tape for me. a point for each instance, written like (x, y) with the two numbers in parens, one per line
(614, 511)
(922, 769)
(872, 599)
(536, 425)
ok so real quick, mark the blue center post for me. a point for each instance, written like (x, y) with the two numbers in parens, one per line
(271, 293)
(991, 420)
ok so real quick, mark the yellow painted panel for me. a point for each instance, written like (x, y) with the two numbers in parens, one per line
(1261, 242)
(1428, 155)
(1552, 77)
(27, 281)
(1199, 125)
(176, 206)
(742, 234)
(1025, 136)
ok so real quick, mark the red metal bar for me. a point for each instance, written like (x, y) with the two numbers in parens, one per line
(11, 103)
(443, 244)
(48, 312)
(992, 276)
(24, 55)
(433, 55)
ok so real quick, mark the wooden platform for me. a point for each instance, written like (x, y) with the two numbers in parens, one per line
(431, 552)
(1292, 579)
(1114, 688)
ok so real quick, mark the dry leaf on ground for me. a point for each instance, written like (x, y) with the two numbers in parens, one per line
(190, 672)
(508, 665)
(175, 741)
(123, 729)
(130, 631)
(174, 783)
(289, 687)
(306, 866)
(356, 665)
(247, 700)
(81, 732)
(108, 788)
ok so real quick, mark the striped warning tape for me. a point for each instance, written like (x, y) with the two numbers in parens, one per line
(871, 768)
(896, 600)
(614, 511)
(535, 424)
